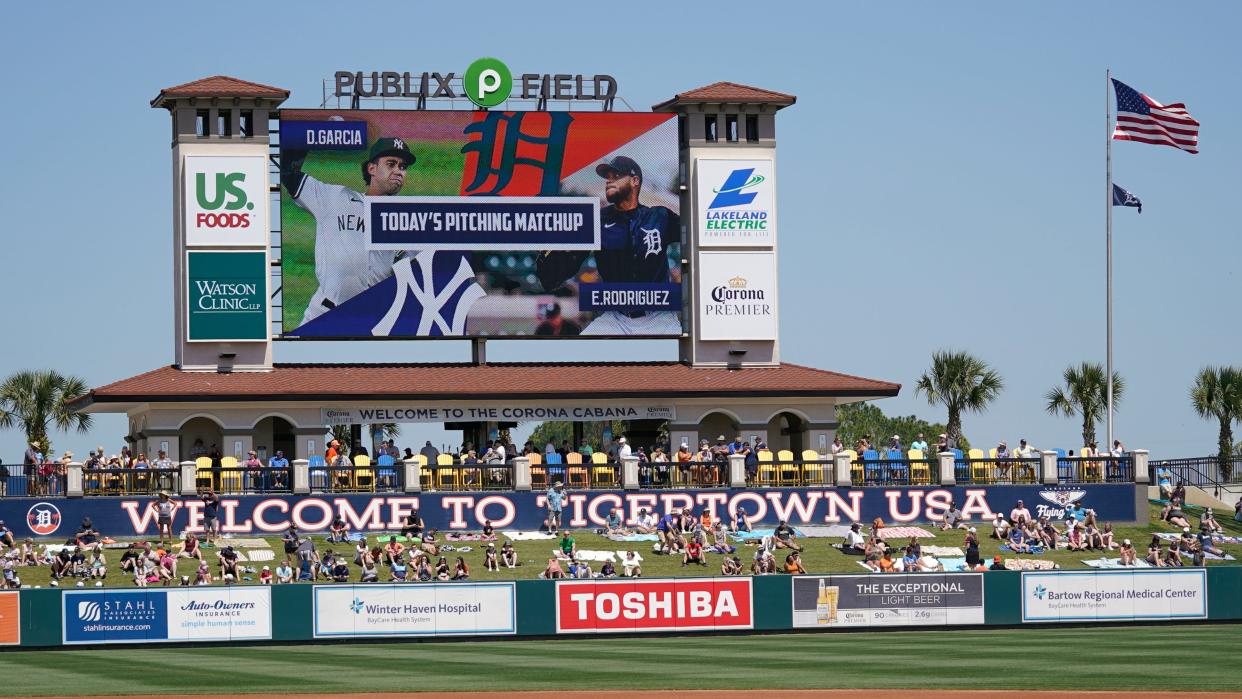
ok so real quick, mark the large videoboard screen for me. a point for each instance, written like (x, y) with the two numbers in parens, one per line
(415, 224)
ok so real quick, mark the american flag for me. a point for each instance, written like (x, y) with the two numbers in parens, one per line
(1141, 118)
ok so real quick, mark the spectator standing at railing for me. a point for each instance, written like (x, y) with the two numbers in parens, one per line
(942, 443)
(919, 443)
(894, 444)
(4, 479)
(623, 448)
(736, 446)
(1164, 479)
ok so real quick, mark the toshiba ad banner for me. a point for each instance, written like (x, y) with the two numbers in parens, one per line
(923, 599)
(177, 614)
(1122, 595)
(642, 605)
(457, 609)
(400, 224)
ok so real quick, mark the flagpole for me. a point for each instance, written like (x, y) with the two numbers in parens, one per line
(1108, 255)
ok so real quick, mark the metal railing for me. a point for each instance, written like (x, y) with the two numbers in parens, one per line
(1001, 471)
(25, 481)
(355, 479)
(130, 481)
(1095, 469)
(1202, 472)
(796, 473)
(578, 476)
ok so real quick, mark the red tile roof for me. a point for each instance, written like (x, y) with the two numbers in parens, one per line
(728, 92)
(499, 381)
(219, 86)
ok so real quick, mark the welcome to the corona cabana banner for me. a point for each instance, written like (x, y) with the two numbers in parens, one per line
(258, 514)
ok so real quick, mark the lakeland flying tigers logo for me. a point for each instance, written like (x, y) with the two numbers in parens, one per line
(1062, 498)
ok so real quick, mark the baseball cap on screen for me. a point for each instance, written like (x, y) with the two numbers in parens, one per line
(620, 164)
(390, 146)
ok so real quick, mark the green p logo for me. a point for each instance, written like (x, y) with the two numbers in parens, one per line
(487, 82)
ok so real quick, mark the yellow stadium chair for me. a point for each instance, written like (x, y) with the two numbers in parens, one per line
(202, 472)
(573, 457)
(811, 473)
(446, 475)
(767, 471)
(788, 469)
(599, 457)
(424, 474)
(230, 475)
(603, 473)
(920, 473)
(535, 458)
(857, 476)
(1089, 471)
(362, 460)
(979, 472)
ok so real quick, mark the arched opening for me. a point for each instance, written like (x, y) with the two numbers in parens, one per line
(273, 434)
(787, 430)
(716, 424)
(198, 436)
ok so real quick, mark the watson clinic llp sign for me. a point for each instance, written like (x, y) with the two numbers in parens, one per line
(227, 296)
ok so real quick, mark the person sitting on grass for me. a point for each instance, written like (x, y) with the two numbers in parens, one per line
(1128, 556)
(740, 522)
(1030, 531)
(428, 543)
(284, 573)
(911, 561)
(326, 565)
(608, 570)
(1155, 553)
(190, 547)
(553, 570)
(1048, 533)
(398, 570)
(785, 538)
(971, 544)
(730, 565)
(228, 562)
(1174, 515)
(793, 564)
(569, 547)
(1076, 537)
(489, 531)
(167, 569)
(442, 569)
(413, 527)
(580, 570)
(1209, 520)
(490, 561)
(265, 576)
(953, 518)
(886, 562)
(394, 551)
(340, 571)
(720, 538)
(854, 543)
(1000, 527)
(508, 555)
(369, 572)
(1173, 556)
(28, 554)
(693, 554)
(202, 576)
(339, 531)
(615, 524)
(1205, 543)
(631, 566)
(461, 571)
(764, 562)
(98, 564)
(424, 570)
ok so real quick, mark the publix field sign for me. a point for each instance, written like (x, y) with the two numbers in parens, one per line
(225, 200)
(227, 296)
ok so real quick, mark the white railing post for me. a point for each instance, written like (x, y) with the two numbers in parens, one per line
(844, 473)
(189, 478)
(1141, 466)
(948, 470)
(1048, 468)
(301, 476)
(629, 473)
(411, 476)
(73, 480)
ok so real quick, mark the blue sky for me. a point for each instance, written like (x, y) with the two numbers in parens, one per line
(940, 179)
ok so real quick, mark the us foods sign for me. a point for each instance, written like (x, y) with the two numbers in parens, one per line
(225, 200)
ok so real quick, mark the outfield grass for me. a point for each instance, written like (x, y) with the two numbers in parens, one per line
(1171, 657)
(819, 556)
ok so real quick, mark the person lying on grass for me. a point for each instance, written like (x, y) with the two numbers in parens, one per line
(793, 564)
(1172, 513)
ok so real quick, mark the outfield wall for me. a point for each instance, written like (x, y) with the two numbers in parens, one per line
(525, 608)
(127, 516)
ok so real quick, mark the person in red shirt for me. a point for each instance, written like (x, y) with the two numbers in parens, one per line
(693, 554)
(265, 576)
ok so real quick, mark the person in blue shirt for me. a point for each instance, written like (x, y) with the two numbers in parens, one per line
(740, 523)
(1164, 479)
(556, 501)
(736, 445)
(666, 530)
(276, 462)
(1017, 541)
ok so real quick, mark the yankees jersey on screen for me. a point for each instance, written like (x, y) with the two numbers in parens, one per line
(428, 283)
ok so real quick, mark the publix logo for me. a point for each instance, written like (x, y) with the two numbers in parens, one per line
(223, 201)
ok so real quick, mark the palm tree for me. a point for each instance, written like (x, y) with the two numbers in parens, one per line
(1085, 394)
(959, 382)
(1217, 393)
(34, 401)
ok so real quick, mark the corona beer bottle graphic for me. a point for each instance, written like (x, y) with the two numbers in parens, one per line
(822, 611)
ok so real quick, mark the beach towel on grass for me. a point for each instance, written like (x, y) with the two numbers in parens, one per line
(455, 536)
(822, 532)
(905, 533)
(1035, 550)
(634, 537)
(1216, 538)
(1115, 563)
(953, 564)
(527, 536)
(586, 555)
(249, 543)
(262, 555)
(943, 550)
(1028, 564)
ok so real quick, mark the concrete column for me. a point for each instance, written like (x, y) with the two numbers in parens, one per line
(1048, 468)
(521, 473)
(1141, 466)
(73, 480)
(189, 478)
(301, 476)
(413, 482)
(948, 476)
(841, 464)
(737, 471)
